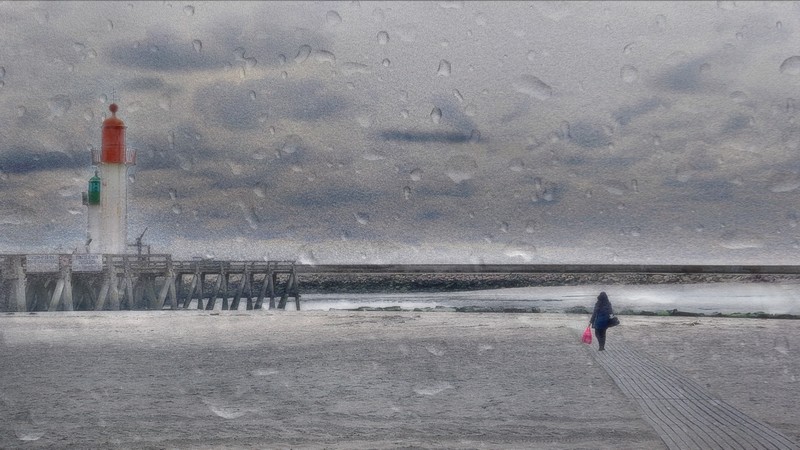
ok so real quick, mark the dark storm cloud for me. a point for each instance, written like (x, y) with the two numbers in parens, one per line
(626, 114)
(737, 123)
(21, 162)
(333, 197)
(163, 56)
(683, 77)
(588, 135)
(445, 137)
(701, 190)
(465, 189)
(234, 107)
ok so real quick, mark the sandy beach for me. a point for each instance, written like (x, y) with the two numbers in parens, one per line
(265, 379)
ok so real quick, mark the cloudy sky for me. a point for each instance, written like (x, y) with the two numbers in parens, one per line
(403, 132)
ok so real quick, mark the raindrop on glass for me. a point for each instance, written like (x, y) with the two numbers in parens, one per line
(470, 110)
(165, 102)
(415, 174)
(436, 115)
(88, 114)
(533, 87)
(197, 45)
(406, 192)
(444, 69)
(628, 49)
(173, 194)
(21, 111)
(324, 56)
(531, 55)
(386, 62)
(791, 65)
(102, 98)
(530, 226)
(59, 105)
(332, 18)
(661, 22)
(516, 165)
(284, 75)
(110, 25)
(461, 168)
(383, 38)
(188, 10)
(361, 217)
(458, 95)
(629, 74)
(404, 113)
(252, 95)
(177, 209)
(778, 25)
(302, 54)
(504, 226)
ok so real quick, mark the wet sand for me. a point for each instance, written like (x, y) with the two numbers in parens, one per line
(266, 379)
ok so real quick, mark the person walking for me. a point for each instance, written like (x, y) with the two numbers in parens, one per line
(600, 319)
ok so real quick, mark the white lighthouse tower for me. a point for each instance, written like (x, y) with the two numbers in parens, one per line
(107, 198)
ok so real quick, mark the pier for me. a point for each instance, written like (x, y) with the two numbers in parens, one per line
(69, 282)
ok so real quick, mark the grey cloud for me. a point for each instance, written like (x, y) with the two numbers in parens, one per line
(232, 106)
(588, 135)
(333, 197)
(447, 137)
(144, 83)
(683, 77)
(465, 189)
(737, 123)
(166, 56)
(626, 114)
(21, 162)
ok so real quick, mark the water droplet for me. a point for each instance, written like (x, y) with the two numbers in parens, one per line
(416, 174)
(292, 144)
(188, 10)
(451, 4)
(364, 120)
(88, 114)
(407, 192)
(281, 59)
(250, 62)
(171, 139)
(110, 25)
(504, 226)
(461, 168)
(21, 111)
(324, 56)
(165, 102)
(530, 226)
(444, 69)
(458, 95)
(332, 18)
(302, 54)
(475, 136)
(791, 65)
(516, 165)
(259, 190)
(383, 38)
(350, 68)
(59, 105)
(284, 75)
(404, 113)
(480, 20)
(252, 95)
(533, 87)
(635, 185)
(521, 250)
(386, 62)
(738, 96)
(739, 36)
(361, 217)
(629, 74)
(660, 22)
(470, 110)
(705, 67)
(628, 49)
(778, 25)
(436, 115)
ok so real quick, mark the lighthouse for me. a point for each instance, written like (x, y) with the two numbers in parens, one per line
(107, 198)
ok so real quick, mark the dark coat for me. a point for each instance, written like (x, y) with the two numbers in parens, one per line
(602, 312)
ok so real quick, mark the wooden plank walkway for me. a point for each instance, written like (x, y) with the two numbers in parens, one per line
(683, 414)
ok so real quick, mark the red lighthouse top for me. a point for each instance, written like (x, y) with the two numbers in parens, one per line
(113, 138)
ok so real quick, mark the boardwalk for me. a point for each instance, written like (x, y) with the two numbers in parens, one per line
(683, 414)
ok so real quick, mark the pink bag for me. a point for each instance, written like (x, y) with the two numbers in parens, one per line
(587, 335)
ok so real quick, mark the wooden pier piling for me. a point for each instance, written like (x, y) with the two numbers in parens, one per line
(137, 282)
